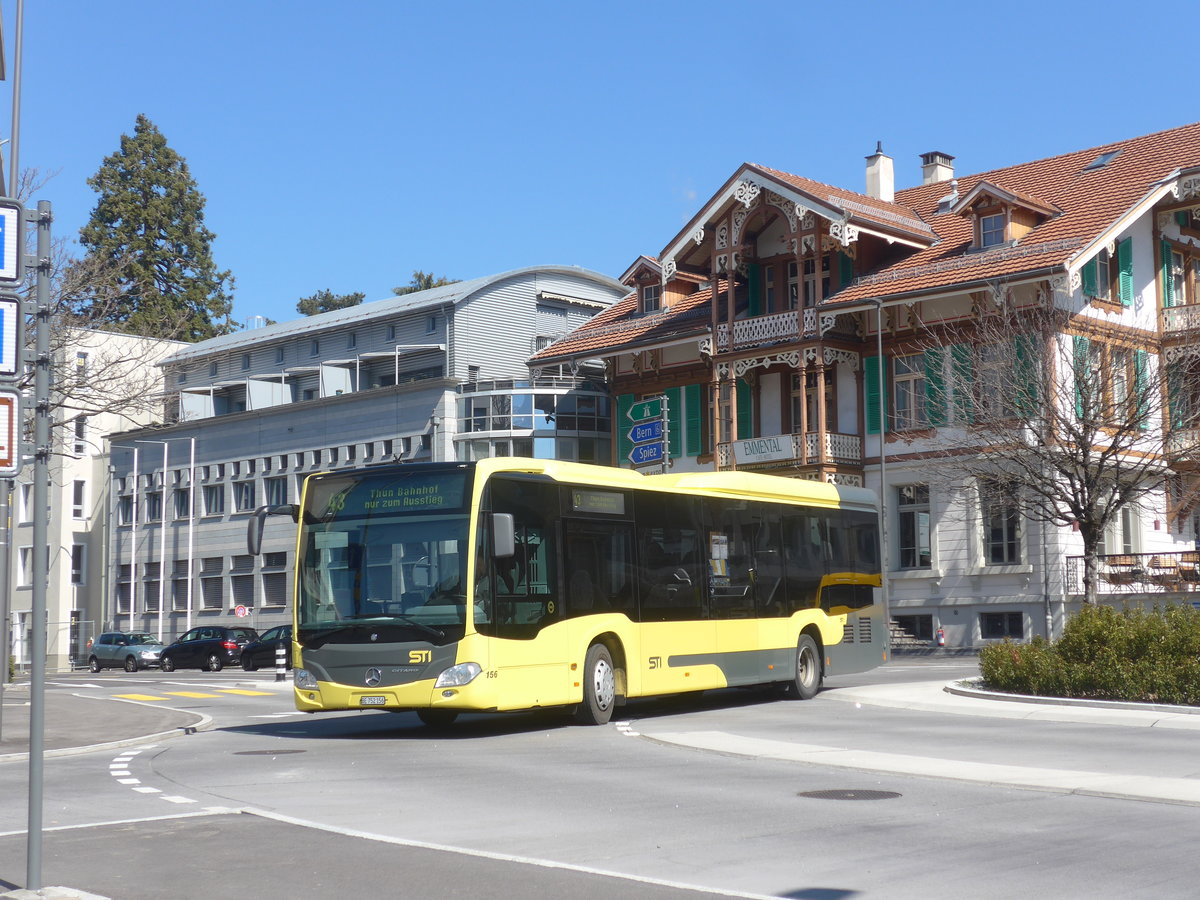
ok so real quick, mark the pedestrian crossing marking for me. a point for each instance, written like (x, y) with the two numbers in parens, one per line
(138, 697)
(244, 693)
(195, 694)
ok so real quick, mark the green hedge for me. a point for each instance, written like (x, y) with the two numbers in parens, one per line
(1106, 654)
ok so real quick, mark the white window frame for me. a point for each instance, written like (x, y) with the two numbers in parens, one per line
(79, 497)
(909, 385)
(988, 229)
(79, 564)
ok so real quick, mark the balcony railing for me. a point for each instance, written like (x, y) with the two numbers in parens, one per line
(759, 330)
(1139, 573)
(802, 449)
(1180, 319)
(1183, 443)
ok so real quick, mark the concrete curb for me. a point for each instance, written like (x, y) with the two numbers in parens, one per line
(973, 688)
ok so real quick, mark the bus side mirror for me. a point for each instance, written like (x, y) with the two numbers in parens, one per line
(254, 528)
(504, 542)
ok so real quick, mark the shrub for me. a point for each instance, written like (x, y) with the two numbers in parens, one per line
(1106, 654)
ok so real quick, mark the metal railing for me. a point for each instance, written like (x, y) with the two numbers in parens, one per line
(1139, 573)
(1181, 318)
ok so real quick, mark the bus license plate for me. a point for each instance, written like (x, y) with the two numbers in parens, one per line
(372, 701)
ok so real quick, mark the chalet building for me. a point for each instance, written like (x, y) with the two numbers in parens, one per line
(790, 322)
(434, 375)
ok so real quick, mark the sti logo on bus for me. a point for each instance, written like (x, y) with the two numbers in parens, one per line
(420, 656)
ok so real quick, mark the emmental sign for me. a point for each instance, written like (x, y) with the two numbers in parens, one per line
(764, 449)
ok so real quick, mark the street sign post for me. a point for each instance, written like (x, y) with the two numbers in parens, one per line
(649, 433)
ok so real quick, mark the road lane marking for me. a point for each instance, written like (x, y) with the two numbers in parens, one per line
(196, 694)
(147, 790)
(143, 697)
(172, 798)
(129, 781)
(245, 693)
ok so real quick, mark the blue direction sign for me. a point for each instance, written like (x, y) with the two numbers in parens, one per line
(12, 267)
(644, 454)
(646, 431)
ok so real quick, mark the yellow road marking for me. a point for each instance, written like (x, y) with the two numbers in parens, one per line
(244, 693)
(195, 694)
(138, 697)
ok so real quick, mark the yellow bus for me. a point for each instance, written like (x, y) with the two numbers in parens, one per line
(514, 584)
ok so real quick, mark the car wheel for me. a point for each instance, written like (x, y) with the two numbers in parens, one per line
(806, 679)
(214, 663)
(94, 664)
(168, 664)
(247, 663)
(130, 664)
(599, 687)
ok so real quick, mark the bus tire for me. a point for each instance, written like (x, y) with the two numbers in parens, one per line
(437, 718)
(599, 687)
(807, 674)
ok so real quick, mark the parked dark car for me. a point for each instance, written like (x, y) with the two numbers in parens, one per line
(129, 650)
(261, 653)
(211, 647)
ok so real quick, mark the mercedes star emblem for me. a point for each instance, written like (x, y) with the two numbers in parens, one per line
(374, 676)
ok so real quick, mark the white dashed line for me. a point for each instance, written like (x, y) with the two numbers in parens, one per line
(147, 790)
(129, 781)
(174, 799)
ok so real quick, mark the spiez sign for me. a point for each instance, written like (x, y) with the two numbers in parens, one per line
(10, 432)
(12, 257)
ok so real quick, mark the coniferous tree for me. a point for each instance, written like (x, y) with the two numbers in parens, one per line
(149, 223)
(423, 281)
(327, 301)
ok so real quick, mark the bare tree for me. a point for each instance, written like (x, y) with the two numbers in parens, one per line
(1053, 417)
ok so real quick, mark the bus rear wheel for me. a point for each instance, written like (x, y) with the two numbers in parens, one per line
(599, 687)
(806, 679)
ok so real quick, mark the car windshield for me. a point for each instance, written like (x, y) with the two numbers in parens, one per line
(386, 552)
(142, 639)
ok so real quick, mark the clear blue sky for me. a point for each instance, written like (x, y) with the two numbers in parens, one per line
(343, 145)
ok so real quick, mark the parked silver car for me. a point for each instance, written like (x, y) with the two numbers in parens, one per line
(129, 650)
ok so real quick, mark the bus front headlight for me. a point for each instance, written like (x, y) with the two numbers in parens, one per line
(457, 676)
(304, 680)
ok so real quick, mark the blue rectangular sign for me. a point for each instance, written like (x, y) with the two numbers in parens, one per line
(646, 431)
(646, 453)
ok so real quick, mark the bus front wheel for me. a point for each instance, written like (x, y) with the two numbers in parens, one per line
(599, 687)
(806, 679)
(437, 718)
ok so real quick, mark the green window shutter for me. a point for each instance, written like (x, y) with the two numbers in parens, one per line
(962, 367)
(1088, 274)
(1028, 374)
(1183, 218)
(754, 283)
(694, 408)
(1168, 283)
(1081, 354)
(674, 421)
(745, 410)
(1125, 267)
(1141, 386)
(845, 270)
(1175, 402)
(873, 366)
(935, 387)
(624, 444)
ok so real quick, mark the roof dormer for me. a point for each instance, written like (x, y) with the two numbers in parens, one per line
(1001, 216)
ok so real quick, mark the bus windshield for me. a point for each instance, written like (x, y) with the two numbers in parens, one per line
(383, 556)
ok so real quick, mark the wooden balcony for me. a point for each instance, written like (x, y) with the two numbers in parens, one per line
(759, 331)
(1180, 320)
(795, 450)
(1140, 573)
(1183, 448)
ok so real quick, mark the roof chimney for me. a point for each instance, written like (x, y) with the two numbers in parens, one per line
(881, 179)
(936, 166)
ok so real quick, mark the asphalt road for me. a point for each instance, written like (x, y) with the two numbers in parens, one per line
(269, 803)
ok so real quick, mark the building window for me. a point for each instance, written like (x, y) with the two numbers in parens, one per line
(212, 370)
(80, 435)
(1124, 532)
(78, 500)
(214, 499)
(1110, 276)
(25, 565)
(351, 340)
(768, 289)
(153, 511)
(26, 500)
(279, 354)
(183, 503)
(991, 230)
(314, 347)
(909, 380)
(275, 490)
(793, 286)
(912, 503)
(243, 496)
(81, 362)
(651, 297)
(1000, 625)
(125, 510)
(431, 324)
(78, 563)
(245, 362)
(1001, 516)
(391, 332)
